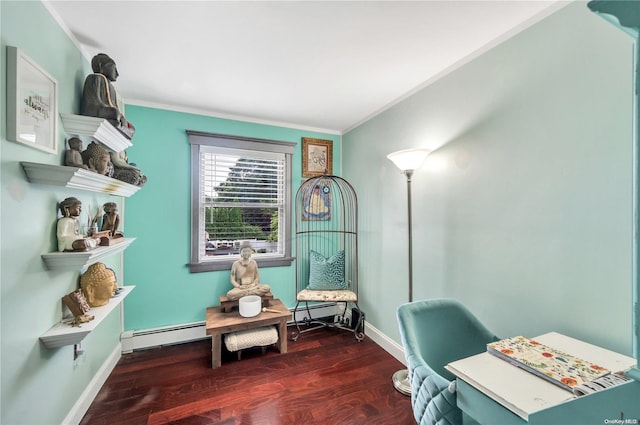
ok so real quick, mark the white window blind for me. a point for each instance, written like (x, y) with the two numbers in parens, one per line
(242, 197)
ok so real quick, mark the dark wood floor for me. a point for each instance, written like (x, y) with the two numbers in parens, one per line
(326, 378)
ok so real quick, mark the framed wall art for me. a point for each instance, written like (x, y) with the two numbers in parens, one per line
(317, 203)
(317, 157)
(32, 103)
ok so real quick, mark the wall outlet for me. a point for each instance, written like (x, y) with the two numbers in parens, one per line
(78, 355)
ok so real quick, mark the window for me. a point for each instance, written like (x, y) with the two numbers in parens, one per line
(240, 191)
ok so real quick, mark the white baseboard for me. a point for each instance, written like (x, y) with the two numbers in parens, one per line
(387, 344)
(167, 335)
(83, 403)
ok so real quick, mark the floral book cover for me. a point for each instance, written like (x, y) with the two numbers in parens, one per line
(557, 367)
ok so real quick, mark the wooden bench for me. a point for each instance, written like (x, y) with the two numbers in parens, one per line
(220, 323)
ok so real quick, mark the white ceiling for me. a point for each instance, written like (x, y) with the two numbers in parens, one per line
(325, 65)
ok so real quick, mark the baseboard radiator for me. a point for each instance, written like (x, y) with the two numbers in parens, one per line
(145, 339)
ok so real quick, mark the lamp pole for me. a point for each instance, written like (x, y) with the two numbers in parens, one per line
(401, 378)
(409, 174)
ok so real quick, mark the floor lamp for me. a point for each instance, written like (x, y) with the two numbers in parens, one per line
(407, 161)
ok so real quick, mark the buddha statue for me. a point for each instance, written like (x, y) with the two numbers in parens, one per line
(97, 159)
(123, 170)
(67, 229)
(245, 277)
(110, 219)
(98, 284)
(99, 96)
(73, 155)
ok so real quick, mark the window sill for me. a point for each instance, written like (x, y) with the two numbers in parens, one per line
(210, 266)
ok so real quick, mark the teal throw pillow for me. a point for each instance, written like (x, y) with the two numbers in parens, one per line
(326, 273)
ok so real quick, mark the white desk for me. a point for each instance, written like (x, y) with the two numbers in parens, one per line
(484, 378)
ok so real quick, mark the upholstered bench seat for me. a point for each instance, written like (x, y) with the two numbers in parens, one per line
(258, 337)
(329, 295)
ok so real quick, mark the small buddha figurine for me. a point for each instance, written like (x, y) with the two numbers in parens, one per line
(99, 97)
(73, 155)
(67, 231)
(110, 219)
(245, 277)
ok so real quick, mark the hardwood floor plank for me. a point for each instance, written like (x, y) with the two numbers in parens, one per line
(326, 378)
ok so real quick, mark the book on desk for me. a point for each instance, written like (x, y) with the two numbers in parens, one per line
(558, 367)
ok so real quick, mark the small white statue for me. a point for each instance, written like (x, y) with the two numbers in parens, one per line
(69, 237)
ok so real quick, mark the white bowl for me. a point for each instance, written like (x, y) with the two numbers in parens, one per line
(250, 306)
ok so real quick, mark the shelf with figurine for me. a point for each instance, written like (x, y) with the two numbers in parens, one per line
(77, 250)
(74, 260)
(76, 178)
(98, 129)
(94, 169)
(72, 330)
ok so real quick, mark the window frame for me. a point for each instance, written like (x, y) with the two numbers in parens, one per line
(197, 139)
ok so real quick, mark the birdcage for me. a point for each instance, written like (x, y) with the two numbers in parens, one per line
(326, 243)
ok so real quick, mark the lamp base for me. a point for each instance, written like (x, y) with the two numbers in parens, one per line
(401, 382)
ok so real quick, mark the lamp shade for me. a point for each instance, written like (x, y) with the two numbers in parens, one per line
(409, 159)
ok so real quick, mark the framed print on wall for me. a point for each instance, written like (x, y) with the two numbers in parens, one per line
(317, 157)
(32, 103)
(317, 203)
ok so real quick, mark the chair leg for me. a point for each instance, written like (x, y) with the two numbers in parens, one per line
(358, 328)
(307, 320)
(296, 334)
(348, 324)
(341, 323)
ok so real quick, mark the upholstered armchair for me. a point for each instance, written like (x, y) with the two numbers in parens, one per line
(434, 333)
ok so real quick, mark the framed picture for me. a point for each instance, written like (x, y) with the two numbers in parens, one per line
(32, 103)
(317, 203)
(317, 157)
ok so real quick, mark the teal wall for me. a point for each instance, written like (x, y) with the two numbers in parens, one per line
(523, 210)
(159, 217)
(40, 385)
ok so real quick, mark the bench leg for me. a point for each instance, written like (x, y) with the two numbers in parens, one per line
(216, 350)
(282, 336)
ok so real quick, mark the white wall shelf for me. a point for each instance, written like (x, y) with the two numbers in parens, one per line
(76, 178)
(65, 334)
(79, 260)
(98, 129)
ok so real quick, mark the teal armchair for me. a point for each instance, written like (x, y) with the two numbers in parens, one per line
(434, 333)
